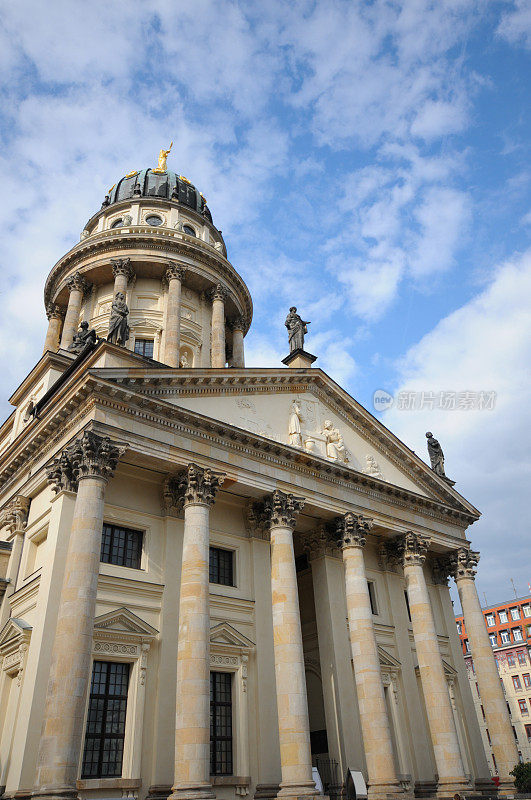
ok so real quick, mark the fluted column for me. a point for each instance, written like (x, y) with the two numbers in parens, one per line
(352, 533)
(123, 274)
(195, 490)
(14, 518)
(278, 512)
(86, 466)
(172, 348)
(238, 354)
(413, 548)
(55, 316)
(218, 295)
(77, 286)
(498, 722)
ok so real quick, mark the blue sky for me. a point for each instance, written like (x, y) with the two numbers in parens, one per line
(366, 161)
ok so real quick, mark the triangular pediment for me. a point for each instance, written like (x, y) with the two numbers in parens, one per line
(122, 621)
(332, 428)
(225, 635)
(14, 630)
(387, 660)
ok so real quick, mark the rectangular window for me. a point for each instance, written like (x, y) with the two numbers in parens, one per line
(503, 616)
(121, 546)
(515, 613)
(527, 680)
(490, 620)
(517, 635)
(521, 658)
(526, 610)
(505, 638)
(458, 628)
(523, 707)
(221, 566)
(104, 737)
(492, 637)
(220, 723)
(510, 659)
(488, 734)
(467, 645)
(528, 731)
(516, 682)
(144, 347)
(372, 597)
(483, 712)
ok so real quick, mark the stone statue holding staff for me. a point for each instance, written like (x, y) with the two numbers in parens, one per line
(297, 328)
(118, 327)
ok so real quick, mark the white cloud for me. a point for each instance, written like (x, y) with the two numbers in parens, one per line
(484, 345)
(515, 25)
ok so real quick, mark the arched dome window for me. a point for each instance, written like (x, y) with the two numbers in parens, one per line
(117, 223)
(189, 230)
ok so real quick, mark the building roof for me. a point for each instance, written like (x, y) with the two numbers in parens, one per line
(165, 185)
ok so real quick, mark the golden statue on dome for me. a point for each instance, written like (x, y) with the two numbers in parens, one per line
(163, 155)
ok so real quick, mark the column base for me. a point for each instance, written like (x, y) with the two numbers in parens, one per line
(448, 788)
(304, 789)
(197, 791)
(386, 791)
(266, 791)
(506, 788)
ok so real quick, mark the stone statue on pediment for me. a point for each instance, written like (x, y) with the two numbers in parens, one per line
(297, 329)
(82, 338)
(294, 425)
(436, 455)
(372, 468)
(335, 447)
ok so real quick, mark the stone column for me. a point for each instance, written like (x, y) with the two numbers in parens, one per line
(86, 466)
(238, 355)
(77, 285)
(498, 722)
(196, 489)
(14, 518)
(218, 296)
(278, 512)
(123, 274)
(55, 316)
(413, 548)
(352, 533)
(172, 348)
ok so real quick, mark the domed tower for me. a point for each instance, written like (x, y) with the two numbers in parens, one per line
(153, 240)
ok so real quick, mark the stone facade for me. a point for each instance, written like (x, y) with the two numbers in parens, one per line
(328, 632)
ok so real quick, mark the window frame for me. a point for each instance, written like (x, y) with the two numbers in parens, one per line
(373, 598)
(191, 228)
(144, 342)
(152, 216)
(511, 661)
(518, 635)
(522, 705)
(491, 637)
(527, 680)
(141, 549)
(506, 640)
(488, 617)
(232, 571)
(515, 614)
(214, 738)
(104, 736)
(502, 614)
(517, 684)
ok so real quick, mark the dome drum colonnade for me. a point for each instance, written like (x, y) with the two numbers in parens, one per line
(158, 239)
(86, 466)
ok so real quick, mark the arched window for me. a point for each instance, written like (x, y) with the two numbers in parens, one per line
(189, 230)
(117, 223)
(152, 219)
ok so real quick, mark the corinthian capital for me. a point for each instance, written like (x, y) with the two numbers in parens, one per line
(352, 530)
(237, 324)
(14, 515)
(413, 548)
(122, 266)
(77, 282)
(91, 456)
(54, 311)
(278, 509)
(465, 563)
(219, 292)
(320, 541)
(174, 271)
(195, 485)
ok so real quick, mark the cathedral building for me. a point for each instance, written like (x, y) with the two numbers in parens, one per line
(217, 578)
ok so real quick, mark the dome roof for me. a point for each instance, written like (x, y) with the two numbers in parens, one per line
(166, 185)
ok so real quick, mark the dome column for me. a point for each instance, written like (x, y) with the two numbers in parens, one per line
(238, 354)
(77, 286)
(172, 348)
(55, 316)
(123, 274)
(219, 296)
